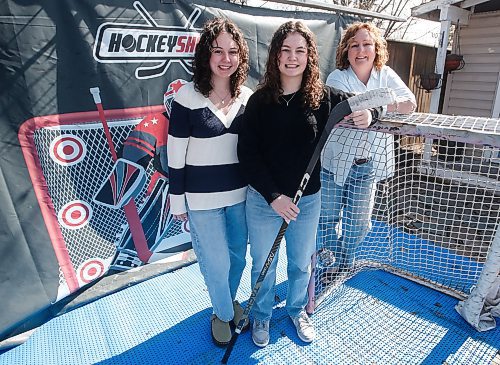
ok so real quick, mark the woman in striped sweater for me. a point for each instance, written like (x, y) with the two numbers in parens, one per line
(205, 183)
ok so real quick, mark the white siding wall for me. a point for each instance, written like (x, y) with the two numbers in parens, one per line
(473, 90)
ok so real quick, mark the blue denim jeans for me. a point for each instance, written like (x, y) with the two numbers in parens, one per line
(263, 226)
(220, 238)
(346, 212)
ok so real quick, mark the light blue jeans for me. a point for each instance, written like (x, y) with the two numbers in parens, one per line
(263, 226)
(346, 212)
(220, 238)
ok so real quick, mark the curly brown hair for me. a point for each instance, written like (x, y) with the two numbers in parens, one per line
(202, 73)
(381, 52)
(312, 86)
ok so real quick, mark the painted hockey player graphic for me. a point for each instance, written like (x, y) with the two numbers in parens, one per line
(146, 149)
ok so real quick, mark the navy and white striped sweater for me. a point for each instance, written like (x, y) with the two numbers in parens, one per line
(202, 160)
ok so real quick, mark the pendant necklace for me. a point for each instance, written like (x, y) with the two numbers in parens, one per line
(222, 100)
(289, 100)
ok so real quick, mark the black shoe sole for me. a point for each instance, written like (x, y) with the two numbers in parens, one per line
(219, 344)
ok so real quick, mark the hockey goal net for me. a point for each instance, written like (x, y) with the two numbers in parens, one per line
(433, 219)
(68, 159)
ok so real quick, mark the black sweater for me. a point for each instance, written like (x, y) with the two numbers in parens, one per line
(276, 142)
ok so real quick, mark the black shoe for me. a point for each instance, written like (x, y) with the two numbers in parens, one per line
(221, 331)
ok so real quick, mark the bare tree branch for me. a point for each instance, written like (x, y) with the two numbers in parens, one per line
(392, 7)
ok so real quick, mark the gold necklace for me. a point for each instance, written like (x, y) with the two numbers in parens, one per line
(222, 100)
(289, 100)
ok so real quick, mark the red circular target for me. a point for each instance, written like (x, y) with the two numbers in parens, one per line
(91, 270)
(75, 214)
(67, 149)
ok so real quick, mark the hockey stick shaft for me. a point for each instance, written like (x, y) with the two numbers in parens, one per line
(131, 212)
(312, 283)
(97, 100)
(370, 99)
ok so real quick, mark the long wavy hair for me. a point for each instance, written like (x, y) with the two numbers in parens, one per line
(202, 74)
(312, 86)
(381, 52)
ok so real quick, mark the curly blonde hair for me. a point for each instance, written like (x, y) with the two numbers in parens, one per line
(381, 52)
(202, 73)
(312, 86)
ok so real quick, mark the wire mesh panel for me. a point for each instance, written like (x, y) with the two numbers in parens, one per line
(429, 211)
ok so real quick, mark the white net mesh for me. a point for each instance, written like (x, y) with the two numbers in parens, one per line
(429, 212)
(66, 183)
(77, 183)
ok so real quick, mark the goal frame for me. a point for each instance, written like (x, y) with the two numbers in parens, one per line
(26, 138)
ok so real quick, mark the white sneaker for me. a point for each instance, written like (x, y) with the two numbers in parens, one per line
(304, 327)
(260, 333)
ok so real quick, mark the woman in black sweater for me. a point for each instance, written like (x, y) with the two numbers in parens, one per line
(282, 123)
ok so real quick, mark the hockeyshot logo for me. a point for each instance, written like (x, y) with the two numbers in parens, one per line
(148, 43)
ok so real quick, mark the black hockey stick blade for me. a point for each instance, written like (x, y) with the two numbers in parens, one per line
(369, 99)
(372, 99)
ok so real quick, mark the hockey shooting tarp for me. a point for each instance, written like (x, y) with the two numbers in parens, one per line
(72, 212)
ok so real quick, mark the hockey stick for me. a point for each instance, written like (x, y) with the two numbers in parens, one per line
(131, 213)
(369, 99)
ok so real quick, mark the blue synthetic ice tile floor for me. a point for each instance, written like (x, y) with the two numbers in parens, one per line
(374, 318)
(415, 255)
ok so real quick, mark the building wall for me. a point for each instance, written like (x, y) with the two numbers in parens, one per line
(474, 89)
(410, 61)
